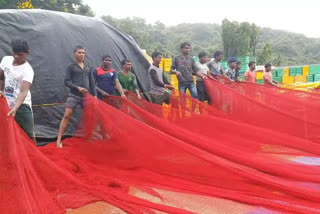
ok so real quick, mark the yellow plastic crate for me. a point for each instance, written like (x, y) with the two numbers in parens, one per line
(174, 81)
(287, 79)
(259, 75)
(305, 70)
(286, 72)
(300, 79)
(161, 63)
(167, 62)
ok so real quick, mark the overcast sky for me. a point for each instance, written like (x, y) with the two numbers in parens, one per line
(295, 16)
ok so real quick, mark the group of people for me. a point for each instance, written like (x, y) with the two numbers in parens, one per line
(185, 67)
(16, 77)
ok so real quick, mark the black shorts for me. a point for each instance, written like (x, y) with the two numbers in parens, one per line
(73, 101)
(202, 92)
(160, 99)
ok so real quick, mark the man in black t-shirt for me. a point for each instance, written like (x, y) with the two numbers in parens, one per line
(185, 67)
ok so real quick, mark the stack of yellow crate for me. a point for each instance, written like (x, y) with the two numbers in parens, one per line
(287, 79)
(167, 64)
(295, 74)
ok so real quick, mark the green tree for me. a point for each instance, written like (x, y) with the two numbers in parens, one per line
(229, 37)
(242, 38)
(254, 37)
(85, 10)
(277, 60)
(236, 38)
(265, 55)
(149, 37)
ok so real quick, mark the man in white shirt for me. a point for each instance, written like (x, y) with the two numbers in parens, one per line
(203, 72)
(16, 76)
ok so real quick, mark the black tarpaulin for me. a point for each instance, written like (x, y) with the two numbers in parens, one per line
(52, 37)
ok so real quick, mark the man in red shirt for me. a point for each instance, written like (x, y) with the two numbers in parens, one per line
(250, 75)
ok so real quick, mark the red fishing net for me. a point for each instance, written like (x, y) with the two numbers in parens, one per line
(289, 111)
(187, 157)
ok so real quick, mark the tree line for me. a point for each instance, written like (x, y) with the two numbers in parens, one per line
(68, 6)
(281, 48)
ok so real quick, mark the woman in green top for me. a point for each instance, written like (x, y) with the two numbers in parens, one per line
(127, 79)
